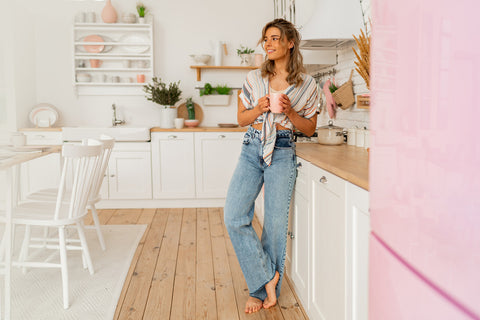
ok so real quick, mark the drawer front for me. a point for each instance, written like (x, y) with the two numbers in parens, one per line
(301, 184)
(328, 180)
(42, 138)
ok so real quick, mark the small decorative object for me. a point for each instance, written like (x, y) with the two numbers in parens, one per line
(109, 14)
(140, 78)
(141, 9)
(363, 57)
(216, 96)
(129, 18)
(343, 95)
(200, 59)
(192, 123)
(190, 108)
(245, 53)
(166, 97)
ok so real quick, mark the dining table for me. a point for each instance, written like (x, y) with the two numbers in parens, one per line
(11, 159)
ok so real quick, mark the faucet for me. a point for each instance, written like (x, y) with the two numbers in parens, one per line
(116, 121)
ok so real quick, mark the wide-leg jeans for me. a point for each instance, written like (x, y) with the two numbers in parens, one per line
(259, 259)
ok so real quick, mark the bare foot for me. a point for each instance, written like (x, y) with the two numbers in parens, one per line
(253, 305)
(271, 299)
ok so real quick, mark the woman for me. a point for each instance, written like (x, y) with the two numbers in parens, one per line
(268, 158)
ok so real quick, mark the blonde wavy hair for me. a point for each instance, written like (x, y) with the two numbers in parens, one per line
(295, 65)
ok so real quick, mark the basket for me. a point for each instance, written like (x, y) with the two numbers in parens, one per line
(343, 96)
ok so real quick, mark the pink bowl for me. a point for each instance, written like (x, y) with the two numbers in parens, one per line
(192, 123)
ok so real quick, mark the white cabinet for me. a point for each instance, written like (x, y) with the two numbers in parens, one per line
(358, 230)
(327, 293)
(129, 171)
(173, 165)
(216, 155)
(108, 57)
(44, 172)
(300, 235)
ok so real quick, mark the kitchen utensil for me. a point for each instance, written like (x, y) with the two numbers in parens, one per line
(183, 113)
(106, 48)
(93, 48)
(343, 96)
(140, 78)
(192, 123)
(200, 59)
(330, 134)
(95, 63)
(228, 125)
(275, 106)
(135, 38)
(43, 115)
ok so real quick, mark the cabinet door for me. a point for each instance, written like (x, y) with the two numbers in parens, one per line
(216, 155)
(41, 173)
(328, 246)
(130, 175)
(300, 237)
(358, 229)
(173, 165)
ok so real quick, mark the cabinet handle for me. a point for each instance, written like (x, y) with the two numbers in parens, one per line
(323, 179)
(172, 137)
(299, 165)
(222, 136)
(112, 176)
(290, 234)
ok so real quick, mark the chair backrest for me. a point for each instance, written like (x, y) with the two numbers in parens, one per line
(108, 144)
(83, 160)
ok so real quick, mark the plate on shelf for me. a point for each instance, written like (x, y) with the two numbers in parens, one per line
(228, 125)
(43, 115)
(91, 48)
(135, 38)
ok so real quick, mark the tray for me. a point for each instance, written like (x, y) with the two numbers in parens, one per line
(182, 112)
(228, 125)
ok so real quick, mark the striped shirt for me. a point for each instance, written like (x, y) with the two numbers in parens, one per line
(303, 100)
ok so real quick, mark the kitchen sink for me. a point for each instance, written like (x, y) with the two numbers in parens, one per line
(118, 133)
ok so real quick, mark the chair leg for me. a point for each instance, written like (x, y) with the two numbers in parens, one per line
(97, 227)
(86, 252)
(64, 266)
(25, 244)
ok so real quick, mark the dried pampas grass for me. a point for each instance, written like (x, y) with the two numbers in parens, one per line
(363, 57)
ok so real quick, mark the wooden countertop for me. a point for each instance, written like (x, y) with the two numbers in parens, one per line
(347, 162)
(201, 129)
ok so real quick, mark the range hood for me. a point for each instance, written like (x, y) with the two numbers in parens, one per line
(332, 24)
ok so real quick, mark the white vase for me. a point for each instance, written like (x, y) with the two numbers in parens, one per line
(141, 19)
(167, 116)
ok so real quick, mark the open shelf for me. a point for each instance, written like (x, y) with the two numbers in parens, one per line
(199, 69)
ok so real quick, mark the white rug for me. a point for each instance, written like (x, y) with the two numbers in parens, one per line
(38, 294)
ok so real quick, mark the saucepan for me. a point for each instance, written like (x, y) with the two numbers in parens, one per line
(330, 134)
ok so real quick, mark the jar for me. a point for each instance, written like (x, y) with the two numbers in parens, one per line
(18, 139)
(360, 138)
(351, 136)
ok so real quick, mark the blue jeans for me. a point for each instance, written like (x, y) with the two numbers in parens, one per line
(260, 259)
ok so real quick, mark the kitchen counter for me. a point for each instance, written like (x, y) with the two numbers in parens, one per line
(200, 129)
(348, 162)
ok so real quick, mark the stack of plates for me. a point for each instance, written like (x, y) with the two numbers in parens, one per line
(43, 115)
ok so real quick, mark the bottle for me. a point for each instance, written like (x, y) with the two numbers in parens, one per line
(218, 53)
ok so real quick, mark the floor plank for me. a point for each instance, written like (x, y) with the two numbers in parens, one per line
(161, 288)
(205, 306)
(138, 288)
(183, 304)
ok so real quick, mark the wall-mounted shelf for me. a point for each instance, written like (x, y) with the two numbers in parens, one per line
(199, 69)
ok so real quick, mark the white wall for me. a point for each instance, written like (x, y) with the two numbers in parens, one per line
(181, 27)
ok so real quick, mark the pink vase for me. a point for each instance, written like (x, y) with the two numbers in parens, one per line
(109, 14)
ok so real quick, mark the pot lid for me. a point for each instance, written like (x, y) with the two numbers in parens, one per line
(331, 126)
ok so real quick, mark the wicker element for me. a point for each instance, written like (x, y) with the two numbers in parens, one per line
(343, 96)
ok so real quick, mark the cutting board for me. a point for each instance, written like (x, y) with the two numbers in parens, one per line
(182, 112)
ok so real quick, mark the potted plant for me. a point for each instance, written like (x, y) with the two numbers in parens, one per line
(245, 53)
(141, 9)
(216, 96)
(191, 121)
(166, 97)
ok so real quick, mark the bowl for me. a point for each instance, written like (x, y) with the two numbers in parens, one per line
(84, 77)
(200, 59)
(129, 18)
(191, 123)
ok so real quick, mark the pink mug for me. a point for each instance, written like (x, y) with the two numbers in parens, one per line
(95, 63)
(140, 78)
(275, 106)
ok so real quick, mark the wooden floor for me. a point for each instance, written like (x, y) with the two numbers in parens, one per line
(185, 268)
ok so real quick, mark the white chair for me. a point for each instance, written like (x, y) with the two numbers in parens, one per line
(84, 160)
(49, 195)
